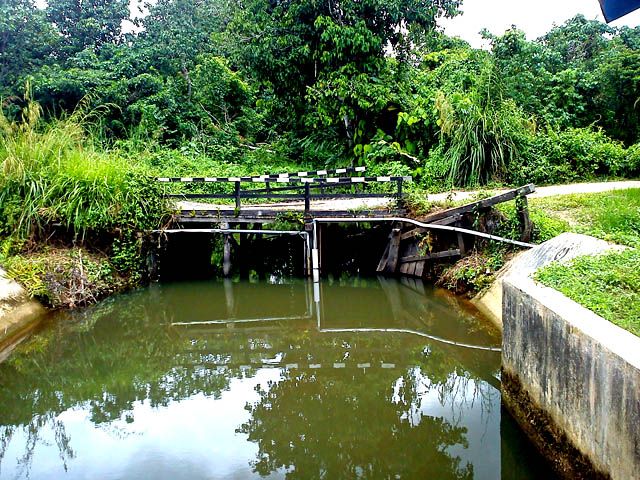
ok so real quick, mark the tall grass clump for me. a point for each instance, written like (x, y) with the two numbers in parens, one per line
(51, 173)
(482, 133)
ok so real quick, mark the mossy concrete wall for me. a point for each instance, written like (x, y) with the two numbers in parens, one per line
(19, 314)
(571, 379)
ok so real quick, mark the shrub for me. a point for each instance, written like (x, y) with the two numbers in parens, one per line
(554, 156)
(631, 166)
(51, 175)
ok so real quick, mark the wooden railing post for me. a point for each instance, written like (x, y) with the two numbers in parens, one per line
(307, 198)
(237, 195)
(399, 193)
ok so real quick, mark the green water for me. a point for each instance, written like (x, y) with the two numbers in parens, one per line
(359, 379)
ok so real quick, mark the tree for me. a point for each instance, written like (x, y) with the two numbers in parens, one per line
(26, 42)
(176, 32)
(87, 23)
(324, 60)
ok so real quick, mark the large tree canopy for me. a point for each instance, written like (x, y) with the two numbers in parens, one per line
(372, 81)
(87, 23)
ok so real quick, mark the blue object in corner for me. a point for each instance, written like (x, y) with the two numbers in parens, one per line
(614, 9)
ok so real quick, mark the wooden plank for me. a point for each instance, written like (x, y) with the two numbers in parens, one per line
(420, 270)
(481, 204)
(449, 220)
(431, 256)
(384, 259)
(526, 226)
(412, 268)
(461, 245)
(394, 252)
(253, 213)
(412, 233)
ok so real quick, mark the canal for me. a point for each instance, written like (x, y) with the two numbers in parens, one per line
(351, 378)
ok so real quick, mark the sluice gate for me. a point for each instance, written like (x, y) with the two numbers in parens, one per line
(316, 201)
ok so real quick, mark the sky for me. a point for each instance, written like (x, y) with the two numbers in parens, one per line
(534, 18)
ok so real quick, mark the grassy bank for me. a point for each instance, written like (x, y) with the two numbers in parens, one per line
(612, 216)
(609, 284)
(58, 188)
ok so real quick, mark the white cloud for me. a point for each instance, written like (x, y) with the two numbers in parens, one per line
(534, 18)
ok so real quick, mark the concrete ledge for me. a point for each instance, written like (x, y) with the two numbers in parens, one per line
(562, 248)
(19, 314)
(572, 380)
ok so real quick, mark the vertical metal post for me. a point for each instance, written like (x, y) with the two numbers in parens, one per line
(237, 195)
(315, 260)
(226, 253)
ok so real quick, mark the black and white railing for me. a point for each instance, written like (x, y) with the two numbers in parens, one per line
(306, 181)
(343, 180)
(275, 177)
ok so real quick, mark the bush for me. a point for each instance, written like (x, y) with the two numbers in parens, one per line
(575, 154)
(631, 166)
(51, 174)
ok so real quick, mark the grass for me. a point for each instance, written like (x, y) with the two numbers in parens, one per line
(608, 285)
(50, 172)
(54, 181)
(612, 216)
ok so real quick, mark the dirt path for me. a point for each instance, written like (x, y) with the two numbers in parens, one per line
(549, 191)
(382, 203)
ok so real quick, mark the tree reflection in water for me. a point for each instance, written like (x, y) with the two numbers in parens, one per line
(322, 425)
(339, 421)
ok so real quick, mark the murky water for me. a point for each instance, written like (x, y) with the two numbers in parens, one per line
(359, 379)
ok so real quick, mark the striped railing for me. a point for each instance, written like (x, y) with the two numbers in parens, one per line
(306, 181)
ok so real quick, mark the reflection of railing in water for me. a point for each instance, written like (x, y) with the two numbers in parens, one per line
(309, 314)
(412, 332)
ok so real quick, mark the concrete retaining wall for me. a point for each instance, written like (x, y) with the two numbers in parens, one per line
(562, 248)
(572, 380)
(19, 314)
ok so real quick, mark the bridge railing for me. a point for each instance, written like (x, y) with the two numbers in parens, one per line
(299, 184)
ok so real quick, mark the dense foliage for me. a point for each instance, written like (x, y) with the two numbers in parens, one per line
(328, 83)
(54, 180)
(218, 88)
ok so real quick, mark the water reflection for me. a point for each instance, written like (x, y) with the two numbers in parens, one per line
(233, 380)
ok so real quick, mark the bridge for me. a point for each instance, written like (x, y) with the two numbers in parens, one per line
(283, 193)
(218, 205)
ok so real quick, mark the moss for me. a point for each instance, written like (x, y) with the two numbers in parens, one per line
(551, 441)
